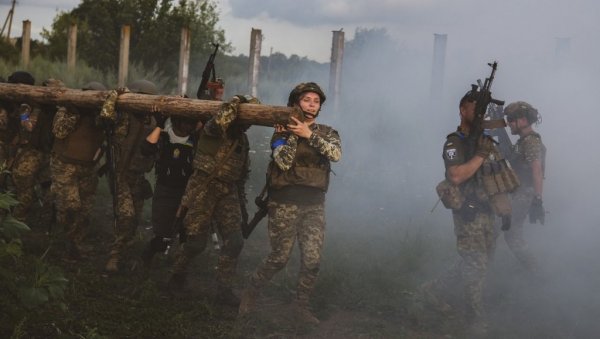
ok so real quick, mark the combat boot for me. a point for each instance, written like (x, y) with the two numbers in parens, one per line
(248, 300)
(112, 265)
(302, 311)
(427, 294)
(225, 296)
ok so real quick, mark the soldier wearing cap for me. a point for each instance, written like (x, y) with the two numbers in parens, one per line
(298, 179)
(528, 160)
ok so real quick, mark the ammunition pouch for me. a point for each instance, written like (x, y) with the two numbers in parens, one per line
(450, 195)
(498, 179)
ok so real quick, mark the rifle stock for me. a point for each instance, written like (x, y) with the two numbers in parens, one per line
(262, 212)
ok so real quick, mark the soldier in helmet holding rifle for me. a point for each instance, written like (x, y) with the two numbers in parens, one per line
(298, 178)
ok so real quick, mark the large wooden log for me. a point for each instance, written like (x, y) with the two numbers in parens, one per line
(253, 114)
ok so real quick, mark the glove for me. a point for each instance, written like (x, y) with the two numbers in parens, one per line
(536, 211)
(160, 119)
(485, 146)
(506, 222)
(24, 111)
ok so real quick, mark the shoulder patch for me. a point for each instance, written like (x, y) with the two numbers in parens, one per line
(450, 153)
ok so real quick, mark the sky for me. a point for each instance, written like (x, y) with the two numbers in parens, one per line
(304, 27)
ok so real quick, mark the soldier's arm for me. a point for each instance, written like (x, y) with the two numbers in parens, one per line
(284, 147)
(533, 155)
(218, 125)
(64, 123)
(538, 177)
(458, 174)
(329, 145)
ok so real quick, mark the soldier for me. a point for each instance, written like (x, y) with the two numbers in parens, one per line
(215, 191)
(528, 159)
(75, 153)
(473, 220)
(298, 179)
(132, 187)
(31, 166)
(173, 140)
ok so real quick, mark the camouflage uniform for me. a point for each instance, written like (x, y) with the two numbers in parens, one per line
(74, 178)
(474, 230)
(32, 163)
(215, 191)
(527, 149)
(130, 132)
(298, 181)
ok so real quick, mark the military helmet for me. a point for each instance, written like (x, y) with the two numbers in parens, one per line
(144, 87)
(94, 86)
(21, 77)
(520, 109)
(302, 88)
(51, 82)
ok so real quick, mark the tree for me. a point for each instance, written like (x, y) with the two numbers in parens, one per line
(155, 32)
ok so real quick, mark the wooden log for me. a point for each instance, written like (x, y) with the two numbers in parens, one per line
(254, 114)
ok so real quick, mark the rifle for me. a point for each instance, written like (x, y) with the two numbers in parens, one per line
(496, 112)
(206, 74)
(110, 167)
(483, 96)
(261, 202)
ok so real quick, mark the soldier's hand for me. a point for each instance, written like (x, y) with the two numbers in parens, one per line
(300, 128)
(122, 90)
(24, 110)
(485, 146)
(160, 119)
(537, 211)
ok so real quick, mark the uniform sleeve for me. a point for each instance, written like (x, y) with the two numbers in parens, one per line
(64, 123)
(329, 145)
(453, 152)
(284, 147)
(532, 148)
(219, 124)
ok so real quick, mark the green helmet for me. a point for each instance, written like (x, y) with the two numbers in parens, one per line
(94, 86)
(51, 82)
(21, 77)
(143, 87)
(522, 109)
(302, 88)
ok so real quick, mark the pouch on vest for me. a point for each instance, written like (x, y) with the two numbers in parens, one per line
(450, 195)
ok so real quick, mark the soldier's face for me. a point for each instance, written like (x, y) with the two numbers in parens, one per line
(516, 124)
(310, 103)
(467, 111)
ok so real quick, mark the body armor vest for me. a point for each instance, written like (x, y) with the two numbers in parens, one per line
(174, 164)
(309, 168)
(130, 157)
(82, 145)
(212, 151)
(520, 163)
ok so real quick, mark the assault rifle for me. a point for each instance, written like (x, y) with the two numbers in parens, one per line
(496, 112)
(206, 75)
(261, 202)
(110, 166)
(483, 96)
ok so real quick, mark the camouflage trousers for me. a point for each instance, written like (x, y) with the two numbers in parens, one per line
(217, 204)
(73, 188)
(31, 168)
(521, 201)
(475, 243)
(288, 222)
(132, 190)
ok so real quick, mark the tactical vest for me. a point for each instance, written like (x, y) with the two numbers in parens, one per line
(82, 145)
(174, 164)
(130, 157)
(309, 168)
(212, 150)
(521, 165)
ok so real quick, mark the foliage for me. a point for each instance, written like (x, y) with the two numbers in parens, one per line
(155, 32)
(27, 283)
